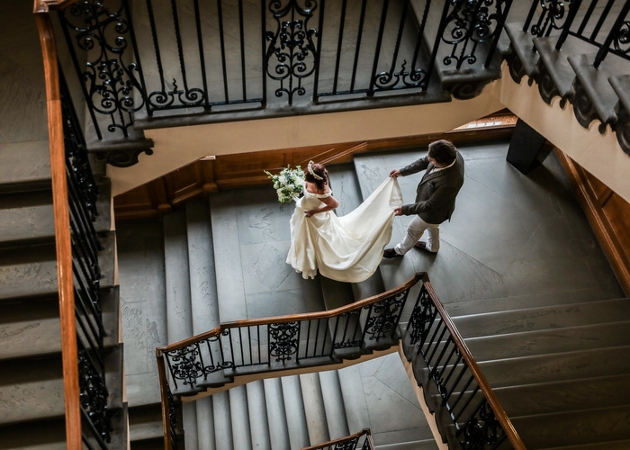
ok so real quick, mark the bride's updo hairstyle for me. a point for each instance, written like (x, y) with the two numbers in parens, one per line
(317, 174)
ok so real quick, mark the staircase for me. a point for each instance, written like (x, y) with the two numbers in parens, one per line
(542, 312)
(223, 260)
(31, 381)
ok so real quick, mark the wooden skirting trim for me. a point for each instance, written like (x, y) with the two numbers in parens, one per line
(608, 215)
(206, 176)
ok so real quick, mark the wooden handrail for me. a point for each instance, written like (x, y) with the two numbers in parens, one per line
(291, 317)
(61, 210)
(499, 412)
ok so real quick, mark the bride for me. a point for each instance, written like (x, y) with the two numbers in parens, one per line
(347, 248)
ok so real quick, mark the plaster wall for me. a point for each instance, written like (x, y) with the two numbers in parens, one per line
(599, 154)
(177, 147)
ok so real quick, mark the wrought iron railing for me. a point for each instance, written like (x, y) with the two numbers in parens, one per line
(604, 24)
(74, 202)
(468, 413)
(221, 355)
(361, 440)
(218, 56)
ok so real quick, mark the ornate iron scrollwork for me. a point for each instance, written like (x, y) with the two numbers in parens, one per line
(483, 430)
(552, 16)
(187, 365)
(385, 316)
(470, 23)
(93, 396)
(421, 319)
(291, 46)
(104, 33)
(283, 343)
(347, 445)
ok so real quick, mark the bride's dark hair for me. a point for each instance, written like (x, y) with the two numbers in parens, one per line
(317, 174)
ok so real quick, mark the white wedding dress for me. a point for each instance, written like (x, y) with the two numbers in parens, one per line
(347, 248)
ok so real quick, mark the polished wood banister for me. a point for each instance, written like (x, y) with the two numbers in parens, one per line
(291, 317)
(61, 210)
(499, 412)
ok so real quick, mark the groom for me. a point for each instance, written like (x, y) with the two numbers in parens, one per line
(435, 197)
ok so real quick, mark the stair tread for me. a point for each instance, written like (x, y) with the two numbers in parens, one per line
(222, 423)
(276, 416)
(315, 412)
(31, 389)
(50, 435)
(28, 272)
(333, 404)
(294, 409)
(26, 217)
(549, 341)
(572, 428)
(30, 166)
(575, 394)
(556, 366)
(560, 316)
(239, 415)
(258, 415)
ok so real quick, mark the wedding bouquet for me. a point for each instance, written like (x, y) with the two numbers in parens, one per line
(288, 183)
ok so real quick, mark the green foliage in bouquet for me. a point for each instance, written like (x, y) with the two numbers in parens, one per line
(288, 183)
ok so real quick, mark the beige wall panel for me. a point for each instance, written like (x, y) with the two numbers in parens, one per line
(176, 147)
(599, 154)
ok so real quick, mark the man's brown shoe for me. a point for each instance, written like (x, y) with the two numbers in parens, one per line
(421, 245)
(390, 253)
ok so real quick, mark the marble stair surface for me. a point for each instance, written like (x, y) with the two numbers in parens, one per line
(175, 271)
(554, 357)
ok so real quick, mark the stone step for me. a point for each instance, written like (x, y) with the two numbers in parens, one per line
(314, 411)
(258, 420)
(550, 317)
(31, 327)
(203, 283)
(30, 166)
(353, 392)
(29, 272)
(177, 278)
(205, 424)
(294, 410)
(333, 404)
(50, 435)
(26, 218)
(532, 343)
(574, 428)
(616, 445)
(518, 302)
(145, 423)
(555, 367)
(276, 416)
(576, 394)
(143, 308)
(189, 419)
(32, 388)
(239, 416)
(222, 423)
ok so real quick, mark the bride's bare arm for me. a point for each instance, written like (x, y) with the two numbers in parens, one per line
(329, 203)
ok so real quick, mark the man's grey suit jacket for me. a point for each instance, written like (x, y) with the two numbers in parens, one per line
(435, 196)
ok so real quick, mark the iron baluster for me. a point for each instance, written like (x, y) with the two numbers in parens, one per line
(249, 340)
(202, 56)
(481, 430)
(283, 343)
(573, 9)
(222, 44)
(377, 52)
(342, 20)
(471, 397)
(240, 344)
(358, 45)
(601, 20)
(384, 79)
(620, 35)
(93, 395)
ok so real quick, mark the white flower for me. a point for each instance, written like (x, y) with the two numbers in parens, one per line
(288, 183)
